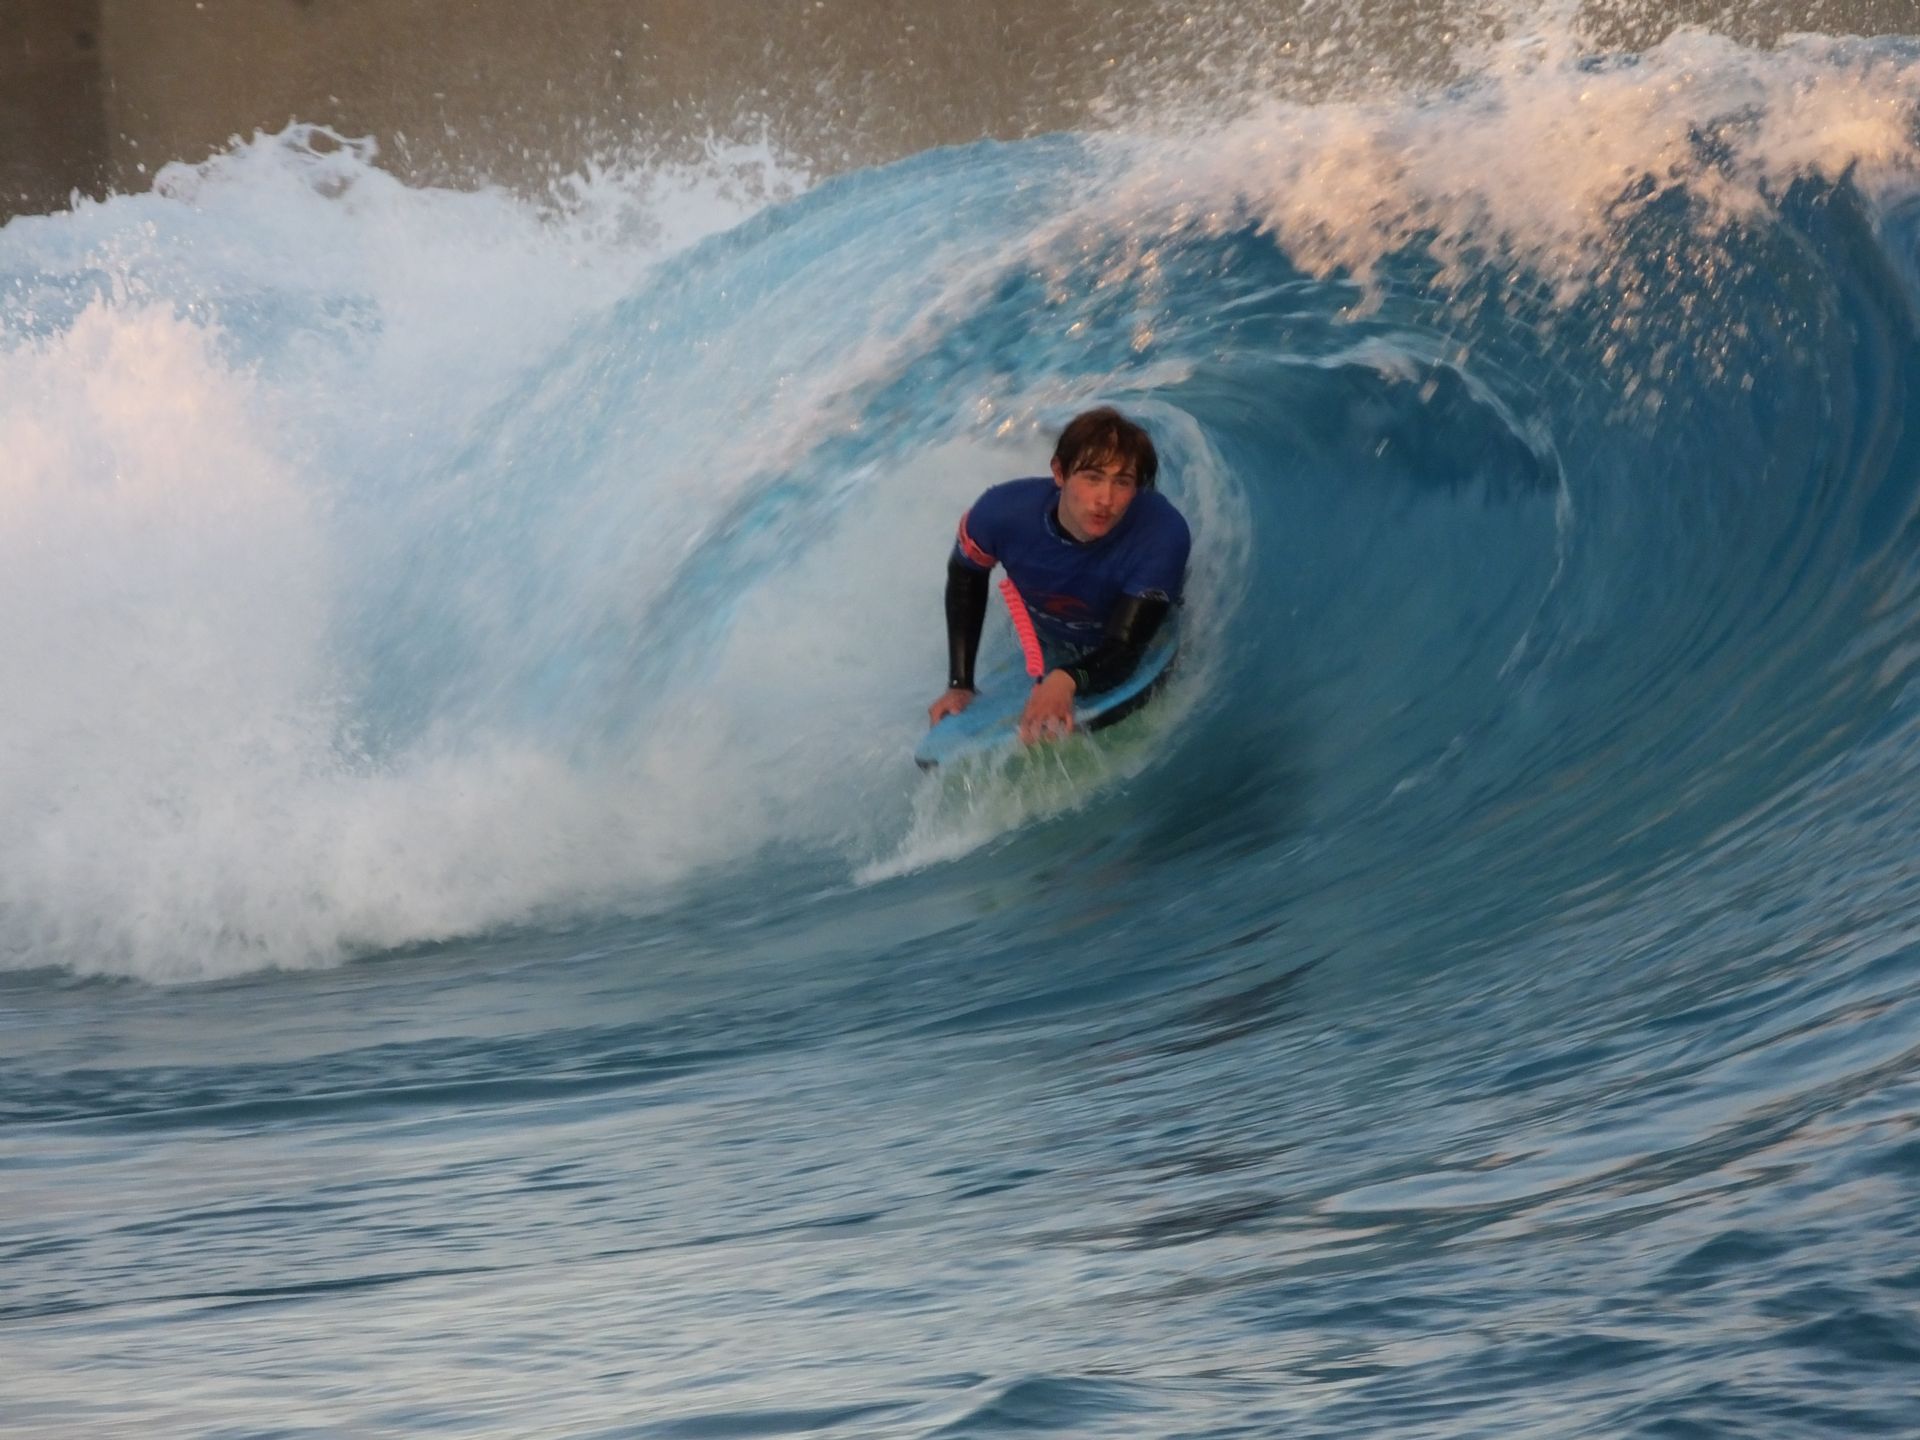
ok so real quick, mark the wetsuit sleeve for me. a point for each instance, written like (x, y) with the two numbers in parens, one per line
(967, 569)
(1130, 629)
(966, 614)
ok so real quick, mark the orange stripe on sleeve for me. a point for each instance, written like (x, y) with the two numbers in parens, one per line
(972, 551)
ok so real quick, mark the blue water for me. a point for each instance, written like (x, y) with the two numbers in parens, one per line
(478, 956)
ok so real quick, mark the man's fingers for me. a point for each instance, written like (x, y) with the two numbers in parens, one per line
(950, 703)
(1044, 727)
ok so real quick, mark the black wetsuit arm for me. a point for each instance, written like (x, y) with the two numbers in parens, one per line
(966, 615)
(1130, 628)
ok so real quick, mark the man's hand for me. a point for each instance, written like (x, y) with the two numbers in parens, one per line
(1049, 712)
(951, 702)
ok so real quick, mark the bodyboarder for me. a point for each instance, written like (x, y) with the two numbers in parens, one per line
(1096, 559)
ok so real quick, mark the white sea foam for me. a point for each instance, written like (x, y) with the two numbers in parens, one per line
(187, 494)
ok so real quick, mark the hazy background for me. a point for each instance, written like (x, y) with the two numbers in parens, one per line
(97, 94)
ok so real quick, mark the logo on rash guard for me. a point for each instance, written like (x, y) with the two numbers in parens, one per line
(1067, 607)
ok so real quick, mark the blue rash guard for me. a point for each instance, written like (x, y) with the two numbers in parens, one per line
(1075, 591)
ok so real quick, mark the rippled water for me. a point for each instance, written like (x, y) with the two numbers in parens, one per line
(478, 956)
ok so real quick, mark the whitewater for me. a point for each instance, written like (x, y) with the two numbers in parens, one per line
(476, 955)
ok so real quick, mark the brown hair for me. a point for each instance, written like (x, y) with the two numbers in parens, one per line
(1095, 435)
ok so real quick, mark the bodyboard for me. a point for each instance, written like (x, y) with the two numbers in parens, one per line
(992, 721)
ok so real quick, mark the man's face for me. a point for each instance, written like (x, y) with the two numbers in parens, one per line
(1094, 494)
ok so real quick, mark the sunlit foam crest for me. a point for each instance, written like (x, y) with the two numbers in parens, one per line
(1539, 155)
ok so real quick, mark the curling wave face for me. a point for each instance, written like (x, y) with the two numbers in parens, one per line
(405, 564)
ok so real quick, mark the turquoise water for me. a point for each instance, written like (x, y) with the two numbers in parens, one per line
(479, 957)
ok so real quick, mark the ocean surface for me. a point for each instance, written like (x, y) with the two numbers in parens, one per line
(477, 958)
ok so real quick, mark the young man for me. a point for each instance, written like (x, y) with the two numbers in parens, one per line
(1096, 555)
